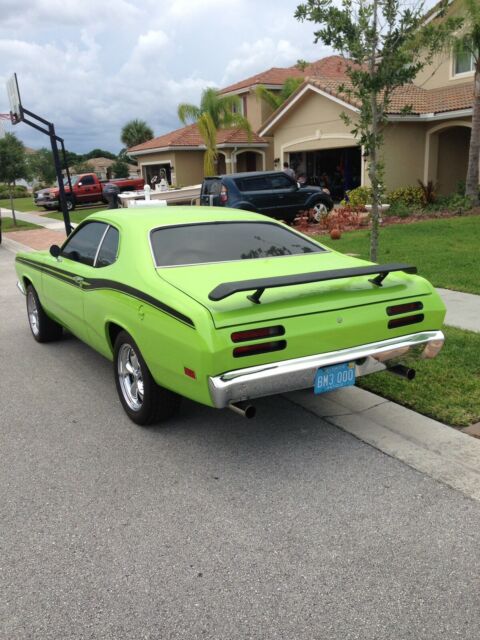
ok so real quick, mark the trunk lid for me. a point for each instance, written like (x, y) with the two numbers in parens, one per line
(197, 281)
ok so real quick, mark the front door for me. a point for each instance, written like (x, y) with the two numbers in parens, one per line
(65, 277)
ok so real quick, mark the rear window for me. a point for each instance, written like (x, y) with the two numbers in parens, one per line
(225, 242)
(212, 187)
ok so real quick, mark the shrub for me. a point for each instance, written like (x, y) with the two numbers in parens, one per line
(454, 203)
(18, 191)
(407, 196)
(400, 209)
(358, 197)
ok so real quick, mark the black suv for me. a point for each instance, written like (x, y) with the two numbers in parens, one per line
(273, 193)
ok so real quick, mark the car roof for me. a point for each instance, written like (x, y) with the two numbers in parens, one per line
(243, 174)
(173, 215)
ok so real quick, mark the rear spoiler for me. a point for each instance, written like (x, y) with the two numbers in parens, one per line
(381, 271)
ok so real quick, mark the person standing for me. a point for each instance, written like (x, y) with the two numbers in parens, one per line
(290, 172)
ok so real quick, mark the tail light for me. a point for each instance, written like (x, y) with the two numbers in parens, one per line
(406, 307)
(257, 334)
(403, 322)
(223, 194)
(259, 347)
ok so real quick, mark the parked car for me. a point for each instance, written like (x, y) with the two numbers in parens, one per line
(223, 306)
(273, 193)
(86, 189)
(42, 199)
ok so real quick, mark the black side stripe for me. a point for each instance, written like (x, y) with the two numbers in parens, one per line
(96, 284)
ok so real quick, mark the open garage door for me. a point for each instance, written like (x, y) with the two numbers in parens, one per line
(338, 170)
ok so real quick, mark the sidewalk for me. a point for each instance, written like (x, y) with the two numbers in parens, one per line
(34, 218)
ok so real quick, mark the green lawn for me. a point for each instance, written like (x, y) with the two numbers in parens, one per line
(78, 214)
(446, 388)
(7, 225)
(445, 251)
(22, 204)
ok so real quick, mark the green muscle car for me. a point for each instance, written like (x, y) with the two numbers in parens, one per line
(223, 306)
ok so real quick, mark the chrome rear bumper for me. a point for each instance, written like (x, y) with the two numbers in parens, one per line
(299, 373)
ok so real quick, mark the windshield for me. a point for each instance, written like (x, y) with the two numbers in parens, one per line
(225, 242)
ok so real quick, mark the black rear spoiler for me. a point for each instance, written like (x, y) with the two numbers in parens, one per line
(381, 271)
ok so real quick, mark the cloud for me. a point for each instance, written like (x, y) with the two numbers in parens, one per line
(252, 57)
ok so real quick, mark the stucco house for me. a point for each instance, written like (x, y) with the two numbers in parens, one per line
(430, 142)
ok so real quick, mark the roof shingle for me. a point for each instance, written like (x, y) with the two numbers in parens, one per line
(189, 136)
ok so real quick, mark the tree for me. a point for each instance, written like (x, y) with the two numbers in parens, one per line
(386, 43)
(99, 153)
(42, 166)
(468, 41)
(135, 132)
(276, 98)
(215, 112)
(120, 169)
(13, 164)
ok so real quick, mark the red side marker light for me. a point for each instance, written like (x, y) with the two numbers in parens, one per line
(190, 373)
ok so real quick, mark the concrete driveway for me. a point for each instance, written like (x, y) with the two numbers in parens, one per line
(284, 527)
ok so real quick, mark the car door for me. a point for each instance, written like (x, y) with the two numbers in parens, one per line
(88, 189)
(256, 190)
(65, 277)
(286, 196)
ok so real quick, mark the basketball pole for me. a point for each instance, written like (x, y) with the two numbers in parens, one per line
(17, 115)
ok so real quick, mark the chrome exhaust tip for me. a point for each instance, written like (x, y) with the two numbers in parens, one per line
(248, 411)
(402, 371)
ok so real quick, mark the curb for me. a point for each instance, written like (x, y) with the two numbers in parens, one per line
(440, 451)
(14, 246)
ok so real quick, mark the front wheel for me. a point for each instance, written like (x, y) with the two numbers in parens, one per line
(319, 211)
(43, 328)
(143, 400)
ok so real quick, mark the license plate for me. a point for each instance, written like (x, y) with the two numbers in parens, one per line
(334, 377)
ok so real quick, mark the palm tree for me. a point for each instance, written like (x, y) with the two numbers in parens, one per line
(469, 42)
(276, 99)
(135, 132)
(215, 112)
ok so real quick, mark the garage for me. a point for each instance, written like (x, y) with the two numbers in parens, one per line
(338, 169)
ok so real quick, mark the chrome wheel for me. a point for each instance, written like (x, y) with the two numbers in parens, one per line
(32, 311)
(130, 377)
(319, 211)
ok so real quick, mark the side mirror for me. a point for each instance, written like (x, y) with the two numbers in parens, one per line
(55, 250)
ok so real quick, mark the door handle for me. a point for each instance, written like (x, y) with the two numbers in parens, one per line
(78, 280)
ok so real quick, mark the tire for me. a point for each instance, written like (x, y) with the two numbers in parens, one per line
(70, 204)
(132, 377)
(319, 210)
(43, 328)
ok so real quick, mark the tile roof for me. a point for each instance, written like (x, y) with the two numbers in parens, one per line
(189, 136)
(421, 101)
(329, 67)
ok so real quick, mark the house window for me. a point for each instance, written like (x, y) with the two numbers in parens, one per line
(463, 62)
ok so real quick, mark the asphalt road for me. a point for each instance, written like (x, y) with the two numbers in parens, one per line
(212, 527)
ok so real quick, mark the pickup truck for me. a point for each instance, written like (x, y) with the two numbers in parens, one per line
(86, 189)
(273, 193)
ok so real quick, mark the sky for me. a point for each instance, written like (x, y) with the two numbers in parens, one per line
(92, 66)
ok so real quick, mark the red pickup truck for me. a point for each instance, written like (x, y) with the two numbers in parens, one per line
(86, 188)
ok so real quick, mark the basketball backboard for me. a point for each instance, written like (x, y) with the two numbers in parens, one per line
(16, 114)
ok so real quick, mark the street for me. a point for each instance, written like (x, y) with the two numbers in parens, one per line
(282, 527)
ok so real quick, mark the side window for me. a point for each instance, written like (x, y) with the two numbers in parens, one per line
(83, 245)
(108, 251)
(258, 183)
(87, 180)
(281, 181)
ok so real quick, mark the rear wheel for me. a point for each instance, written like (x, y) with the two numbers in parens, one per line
(43, 328)
(143, 400)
